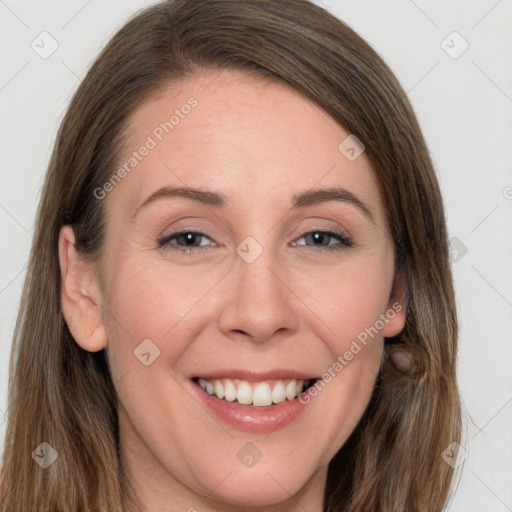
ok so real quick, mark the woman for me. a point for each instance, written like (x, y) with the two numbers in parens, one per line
(183, 343)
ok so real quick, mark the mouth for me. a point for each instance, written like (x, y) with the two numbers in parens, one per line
(265, 393)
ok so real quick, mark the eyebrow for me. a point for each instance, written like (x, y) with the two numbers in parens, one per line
(219, 200)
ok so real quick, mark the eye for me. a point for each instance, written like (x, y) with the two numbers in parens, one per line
(323, 238)
(186, 241)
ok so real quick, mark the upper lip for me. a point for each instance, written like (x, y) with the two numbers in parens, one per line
(256, 375)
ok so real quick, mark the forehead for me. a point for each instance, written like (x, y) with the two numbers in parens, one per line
(247, 136)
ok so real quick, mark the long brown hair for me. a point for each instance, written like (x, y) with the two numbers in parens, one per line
(63, 395)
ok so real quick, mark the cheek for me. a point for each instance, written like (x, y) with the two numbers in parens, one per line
(151, 300)
(349, 321)
(347, 302)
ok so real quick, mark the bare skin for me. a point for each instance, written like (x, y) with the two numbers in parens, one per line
(299, 305)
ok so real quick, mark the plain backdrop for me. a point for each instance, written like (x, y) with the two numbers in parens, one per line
(454, 60)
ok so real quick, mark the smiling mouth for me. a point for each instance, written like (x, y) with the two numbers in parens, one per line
(256, 394)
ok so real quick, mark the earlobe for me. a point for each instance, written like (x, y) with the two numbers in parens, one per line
(80, 295)
(396, 309)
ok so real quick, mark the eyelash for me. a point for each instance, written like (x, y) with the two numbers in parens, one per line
(164, 241)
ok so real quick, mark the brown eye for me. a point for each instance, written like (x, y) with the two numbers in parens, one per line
(186, 241)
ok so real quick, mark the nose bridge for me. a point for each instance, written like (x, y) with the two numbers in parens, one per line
(256, 274)
(258, 301)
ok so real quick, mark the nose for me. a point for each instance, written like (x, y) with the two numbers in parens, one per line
(259, 302)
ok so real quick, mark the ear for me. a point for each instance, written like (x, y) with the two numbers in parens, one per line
(80, 295)
(396, 310)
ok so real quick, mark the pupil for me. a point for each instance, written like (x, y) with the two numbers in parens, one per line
(317, 237)
(189, 237)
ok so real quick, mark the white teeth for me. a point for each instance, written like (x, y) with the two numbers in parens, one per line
(279, 393)
(218, 389)
(244, 393)
(229, 390)
(291, 389)
(260, 394)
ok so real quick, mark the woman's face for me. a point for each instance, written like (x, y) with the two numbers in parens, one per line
(270, 281)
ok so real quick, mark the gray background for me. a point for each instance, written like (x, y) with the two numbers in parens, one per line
(464, 104)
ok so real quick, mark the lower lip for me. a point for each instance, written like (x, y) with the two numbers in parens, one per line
(251, 418)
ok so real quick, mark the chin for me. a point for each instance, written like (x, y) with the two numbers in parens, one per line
(266, 483)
